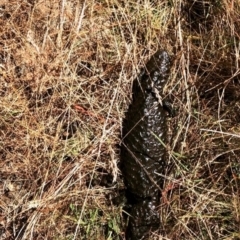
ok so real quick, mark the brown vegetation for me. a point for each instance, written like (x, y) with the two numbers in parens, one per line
(66, 69)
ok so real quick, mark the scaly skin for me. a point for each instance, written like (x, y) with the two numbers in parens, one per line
(142, 154)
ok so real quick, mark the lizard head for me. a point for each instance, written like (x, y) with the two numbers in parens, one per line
(158, 68)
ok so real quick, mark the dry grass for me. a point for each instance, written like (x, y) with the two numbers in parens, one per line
(67, 65)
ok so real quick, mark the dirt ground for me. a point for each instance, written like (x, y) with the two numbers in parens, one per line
(66, 72)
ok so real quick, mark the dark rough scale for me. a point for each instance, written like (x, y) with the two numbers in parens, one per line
(142, 154)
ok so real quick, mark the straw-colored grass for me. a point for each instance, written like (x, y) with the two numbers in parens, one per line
(68, 66)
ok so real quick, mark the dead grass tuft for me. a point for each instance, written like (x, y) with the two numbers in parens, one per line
(66, 69)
